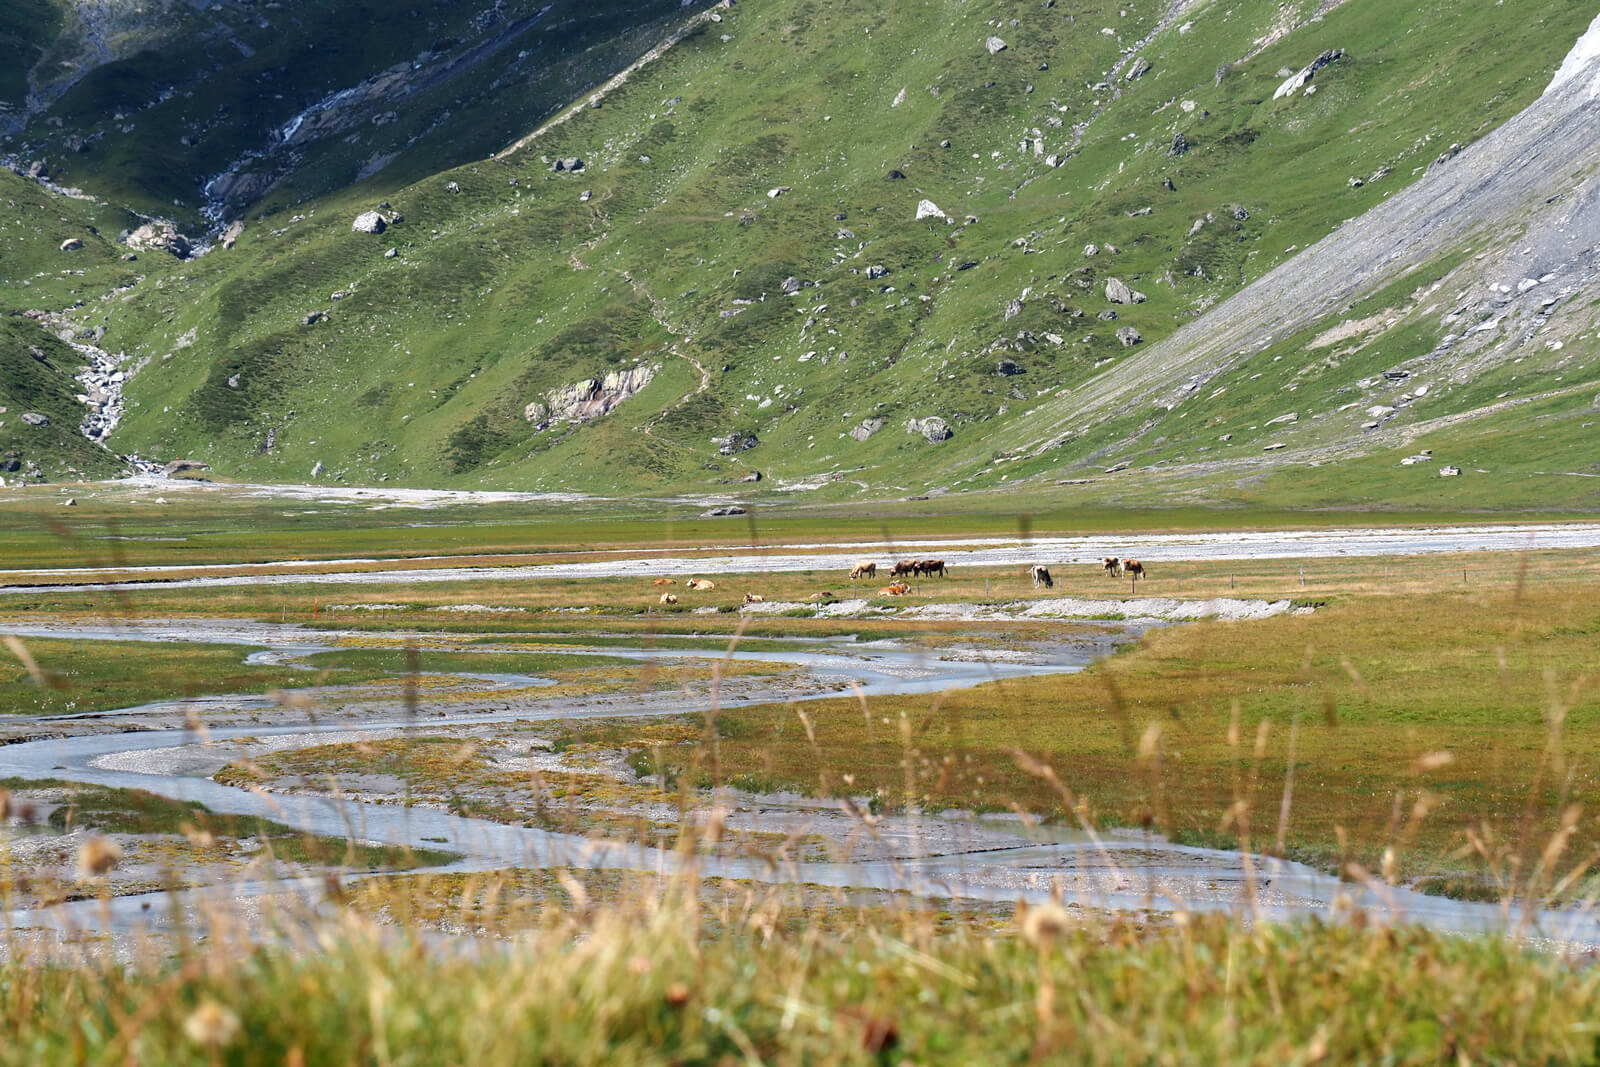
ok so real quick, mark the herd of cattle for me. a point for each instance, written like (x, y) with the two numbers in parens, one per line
(1113, 566)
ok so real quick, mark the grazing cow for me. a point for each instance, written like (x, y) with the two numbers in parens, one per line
(701, 584)
(754, 598)
(930, 567)
(1113, 567)
(1133, 568)
(865, 569)
(897, 589)
(904, 567)
(1041, 576)
(669, 598)
(665, 581)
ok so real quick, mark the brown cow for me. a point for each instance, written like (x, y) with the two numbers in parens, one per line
(930, 567)
(865, 569)
(897, 589)
(904, 567)
(669, 598)
(754, 598)
(665, 581)
(1041, 576)
(1133, 568)
(1113, 567)
(700, 583)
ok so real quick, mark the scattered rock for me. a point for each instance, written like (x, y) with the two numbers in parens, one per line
(1007, 368)
(369, 222)
(876, 271)
(933, 428)
(791, 284)
(995, 45)
(897, 175)
(70, 502)
(1108, 315)
(71, 244)
(866, 428)
(11, 462)
(1129, 336)
(1013, 309)
(777, 191)
(723, 512)
(1091, 249)
(452, 187)
(313, 317)
(1139, 69)
(317, 469)
(38, 169)
(567, 164)
(1180, 144)
(1118, 292)
(393, 253)
(927, 209)
(232, 234)
(584, 197)
(184, 466)
(1449, 472)
(753, 476)
(33, 418)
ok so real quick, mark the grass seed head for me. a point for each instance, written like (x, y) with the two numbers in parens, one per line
(211, 1025)
(98, 857)
(1043, 923)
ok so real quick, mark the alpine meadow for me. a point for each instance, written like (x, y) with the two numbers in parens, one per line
(953, 531)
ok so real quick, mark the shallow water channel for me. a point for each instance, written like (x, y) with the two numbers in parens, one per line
(948, 855)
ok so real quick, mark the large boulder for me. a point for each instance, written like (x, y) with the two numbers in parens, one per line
(995, 45)
(33, 418)
(927, 209)
(1129, 336)
(369, 222)
(933, 428)
(71, 244)
(737, 441)
(866, 428)
(1118, 292)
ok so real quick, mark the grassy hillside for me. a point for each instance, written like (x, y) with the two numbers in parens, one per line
(176, 108)
(766, 146)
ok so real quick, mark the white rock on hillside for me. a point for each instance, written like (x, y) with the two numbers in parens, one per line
(927, 209)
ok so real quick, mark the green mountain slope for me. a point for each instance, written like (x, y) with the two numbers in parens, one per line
(743, 235)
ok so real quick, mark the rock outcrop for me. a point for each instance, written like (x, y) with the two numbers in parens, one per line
(589, 399)
(160, 235)
(369, 222)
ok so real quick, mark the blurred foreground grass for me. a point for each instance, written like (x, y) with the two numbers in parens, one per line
(636, 981)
